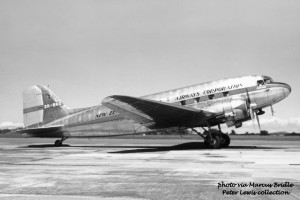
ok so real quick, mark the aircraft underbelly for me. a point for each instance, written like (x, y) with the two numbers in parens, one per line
(109, 128)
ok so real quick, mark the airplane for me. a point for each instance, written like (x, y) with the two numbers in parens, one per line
(231, 101)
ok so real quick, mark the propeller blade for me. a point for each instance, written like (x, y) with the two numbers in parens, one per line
(252, 106)
(272, 110)
(258, 122)
(253, 124)
(251, 113)
(252, 116)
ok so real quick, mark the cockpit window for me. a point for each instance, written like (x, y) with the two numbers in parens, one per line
(260, 82)
(267, 79)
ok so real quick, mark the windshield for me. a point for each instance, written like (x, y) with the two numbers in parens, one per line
(267, 79)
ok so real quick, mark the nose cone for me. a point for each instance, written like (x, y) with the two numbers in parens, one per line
(287, 89)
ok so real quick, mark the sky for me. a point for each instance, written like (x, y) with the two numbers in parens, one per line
(86, 50)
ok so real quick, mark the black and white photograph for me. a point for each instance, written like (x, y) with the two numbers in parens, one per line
(149, 100)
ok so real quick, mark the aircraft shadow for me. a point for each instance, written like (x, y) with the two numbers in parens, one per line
(148, 148)
(186, 146)
(44, 146)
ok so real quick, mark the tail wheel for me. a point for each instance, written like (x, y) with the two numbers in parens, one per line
(57, 143)
(214, 142)
(225, 140)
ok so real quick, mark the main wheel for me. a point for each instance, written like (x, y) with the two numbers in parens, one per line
(225, 140)
(206, 141)
(214, 142)
(57, 143)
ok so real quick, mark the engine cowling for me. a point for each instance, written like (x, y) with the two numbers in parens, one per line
(237, 111)
(233, 111)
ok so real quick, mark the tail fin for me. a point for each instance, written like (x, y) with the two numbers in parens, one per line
(41, 106)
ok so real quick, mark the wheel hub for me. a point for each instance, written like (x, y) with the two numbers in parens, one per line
(213, 141)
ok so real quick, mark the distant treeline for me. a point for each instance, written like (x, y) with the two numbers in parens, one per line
(6, 130)
(189, 131)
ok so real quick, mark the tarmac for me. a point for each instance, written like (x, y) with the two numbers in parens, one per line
(104, 168)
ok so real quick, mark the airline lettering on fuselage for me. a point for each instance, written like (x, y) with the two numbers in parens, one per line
(104, 114)
(222, 89)
(196, 94)
(208, 92)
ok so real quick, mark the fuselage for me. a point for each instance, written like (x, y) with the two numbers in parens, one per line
(220, 97)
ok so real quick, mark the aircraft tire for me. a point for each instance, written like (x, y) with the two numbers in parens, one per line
(206, 142)
(57, 143)
(225, 140)
(215, 143)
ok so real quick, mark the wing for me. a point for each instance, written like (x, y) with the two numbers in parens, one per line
(53, 131)
(161, 113)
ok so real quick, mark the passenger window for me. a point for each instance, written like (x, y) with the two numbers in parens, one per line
(260, 82)
(211, 96)
(183, 102)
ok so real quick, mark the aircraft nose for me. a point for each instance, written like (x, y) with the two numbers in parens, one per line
(287, 90)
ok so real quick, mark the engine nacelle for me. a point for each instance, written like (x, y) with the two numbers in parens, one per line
(234, 111)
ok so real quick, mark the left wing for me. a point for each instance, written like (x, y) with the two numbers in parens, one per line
(161, 113)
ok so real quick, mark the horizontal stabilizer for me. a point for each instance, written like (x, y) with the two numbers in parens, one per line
(53, 131)
(162, 113)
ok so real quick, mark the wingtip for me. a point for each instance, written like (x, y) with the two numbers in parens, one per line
(111, 98)
(106, 100)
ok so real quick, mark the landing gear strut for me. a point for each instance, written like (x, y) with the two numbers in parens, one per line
(211, 140)
(58, 143)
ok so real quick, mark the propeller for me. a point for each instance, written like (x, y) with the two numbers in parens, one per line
(252, 112)
(257, 118)
(252, 116)
(272, 110)
(252, 106)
